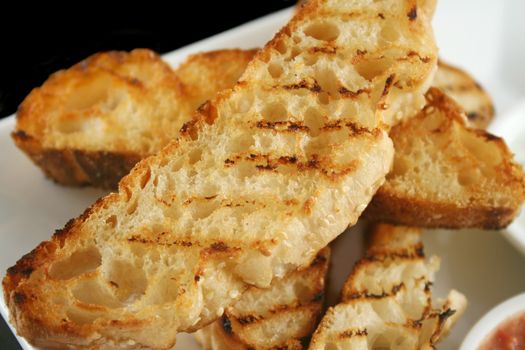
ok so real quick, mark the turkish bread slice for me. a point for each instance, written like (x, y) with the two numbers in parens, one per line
(265, 176)
(90, 124)
(447, 174)
(467, 92)
(387, 301)
(283, 316)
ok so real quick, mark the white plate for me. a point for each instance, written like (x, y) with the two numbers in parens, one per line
(480, 264)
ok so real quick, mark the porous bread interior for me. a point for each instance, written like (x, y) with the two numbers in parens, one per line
(130, 103)
(439, 159)
(291, 159)
(387, 302)
(281, 316)
(111, 101)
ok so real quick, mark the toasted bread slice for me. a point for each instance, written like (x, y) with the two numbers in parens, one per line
(467, 92)
(387, 302)
(90, 124)
(265, 176)
(281, 317)
(448, 175)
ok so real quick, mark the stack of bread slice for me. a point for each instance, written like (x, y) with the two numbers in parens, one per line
(230, 220)
(386, 302)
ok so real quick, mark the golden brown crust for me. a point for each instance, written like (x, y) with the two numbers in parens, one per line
(235, 329)
(251, 243)
(393, 208)
(467, 92)
(473, 206)
(198, 79)
(77, 167)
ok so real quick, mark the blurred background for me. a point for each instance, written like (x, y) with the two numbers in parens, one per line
(38, 40)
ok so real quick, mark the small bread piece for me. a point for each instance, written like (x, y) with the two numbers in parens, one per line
(264, 177)
(90, 124)
(283, 316)
(447, 174)
(467, 92)
(387, 302)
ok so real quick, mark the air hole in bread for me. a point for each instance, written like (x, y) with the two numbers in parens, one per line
(194, 156)
(469, 178)
(246, 169)
(204, 208)
(390, 32)
(401, 167)
(88, 93)
(328, 81)
(241, 143)
(166, 290)
(112, 221)
(93, 293)
(275, 112)
(381, 343)
(127, 281)
(275, 70)
(295, 52)
(81, 261)
(323, 98)
(177, 164)
(371, 68)
(325, 31)
(313, 120)
(69, 126)
(281, 47)
(432, 121)
(80, 316)
(310, 60)
(331, 346)
(132, 207)
(144, 179)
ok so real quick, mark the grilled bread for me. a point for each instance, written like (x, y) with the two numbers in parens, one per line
(265, 176)
(281, 317)
(386, 302)
(90, 124)
(447, 174)
(467, 92)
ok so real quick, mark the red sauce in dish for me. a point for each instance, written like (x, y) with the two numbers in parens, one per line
(510, 335)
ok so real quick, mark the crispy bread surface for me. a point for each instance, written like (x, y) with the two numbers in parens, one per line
(386, 302)
(447, 174)
(265, 176)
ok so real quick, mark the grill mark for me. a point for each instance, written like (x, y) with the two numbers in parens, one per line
(388, 84)
(412, 14)
(352, 94)
(416, 253)
(282, 126)
(353, 333)
(226, 325)
(303, 84)
(415, 54)
(365, 295)
(359, 55)
(180, 243)
(248, 319)
(328, 50)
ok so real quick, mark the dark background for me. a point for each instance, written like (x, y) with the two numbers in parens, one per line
(37, 40)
